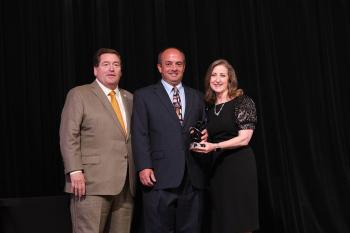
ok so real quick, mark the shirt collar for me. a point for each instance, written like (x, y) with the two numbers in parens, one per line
(106, 90)
(169, 87)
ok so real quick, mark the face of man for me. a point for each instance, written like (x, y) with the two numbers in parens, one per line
(172, 66)
(108, 71)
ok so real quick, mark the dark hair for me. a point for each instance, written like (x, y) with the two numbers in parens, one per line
(97, 55)
(233, 90)
(163, 50)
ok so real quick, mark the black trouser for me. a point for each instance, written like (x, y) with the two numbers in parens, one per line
(177, 210)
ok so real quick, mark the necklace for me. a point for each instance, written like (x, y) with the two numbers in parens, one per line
(217, 113)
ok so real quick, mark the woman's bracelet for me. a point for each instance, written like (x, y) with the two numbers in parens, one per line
(217, 147)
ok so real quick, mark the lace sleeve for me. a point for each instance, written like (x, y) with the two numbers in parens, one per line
(245, 113)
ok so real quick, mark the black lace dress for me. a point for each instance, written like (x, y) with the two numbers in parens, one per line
(233, 185)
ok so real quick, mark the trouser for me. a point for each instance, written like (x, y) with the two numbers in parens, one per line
(173, 210)
(103, 214)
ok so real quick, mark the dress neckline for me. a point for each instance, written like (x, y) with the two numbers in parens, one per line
(225, 102)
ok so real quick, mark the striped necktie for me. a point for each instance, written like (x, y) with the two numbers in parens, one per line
(177, 104)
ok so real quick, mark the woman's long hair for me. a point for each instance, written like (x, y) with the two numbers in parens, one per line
(233, 91)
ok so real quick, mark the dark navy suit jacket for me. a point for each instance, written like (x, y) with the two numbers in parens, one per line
(160, 142)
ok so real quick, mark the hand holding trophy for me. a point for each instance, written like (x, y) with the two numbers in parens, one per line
(196, 134)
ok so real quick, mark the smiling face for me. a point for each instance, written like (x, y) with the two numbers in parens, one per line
(108, 71)
(219, 80)
(172, 66)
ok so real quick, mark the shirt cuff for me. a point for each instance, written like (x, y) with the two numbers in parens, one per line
(74, 172)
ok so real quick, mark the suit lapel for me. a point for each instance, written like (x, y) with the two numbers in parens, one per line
(165, 101)
(128, 109)
(189, 103)
(96, 89)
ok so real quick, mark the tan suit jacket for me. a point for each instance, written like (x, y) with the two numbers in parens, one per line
(92, 140)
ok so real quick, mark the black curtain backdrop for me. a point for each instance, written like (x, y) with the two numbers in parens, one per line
(292, 57)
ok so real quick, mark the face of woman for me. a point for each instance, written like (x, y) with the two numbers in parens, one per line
(219, 79)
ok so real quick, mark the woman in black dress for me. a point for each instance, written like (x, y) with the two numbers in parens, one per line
(231, 122)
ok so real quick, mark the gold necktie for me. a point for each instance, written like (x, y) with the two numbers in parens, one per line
(117, 111)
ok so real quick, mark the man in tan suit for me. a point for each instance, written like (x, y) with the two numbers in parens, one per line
(96, 150)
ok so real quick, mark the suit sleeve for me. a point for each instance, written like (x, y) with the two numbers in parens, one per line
(201, 103)
(71, 119)
(140, 134)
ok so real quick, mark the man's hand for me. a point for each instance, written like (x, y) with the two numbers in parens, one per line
(147, 177)
(78, 184)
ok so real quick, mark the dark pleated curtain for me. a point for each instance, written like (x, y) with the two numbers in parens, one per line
(291, 57)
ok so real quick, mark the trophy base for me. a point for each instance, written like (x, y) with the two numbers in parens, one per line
(196, 144)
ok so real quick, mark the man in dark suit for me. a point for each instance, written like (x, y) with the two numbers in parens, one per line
(172, 177)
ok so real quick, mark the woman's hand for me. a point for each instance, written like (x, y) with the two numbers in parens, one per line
(203, 147)
(204, 133)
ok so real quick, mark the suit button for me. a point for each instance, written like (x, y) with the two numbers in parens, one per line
(125, 157)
